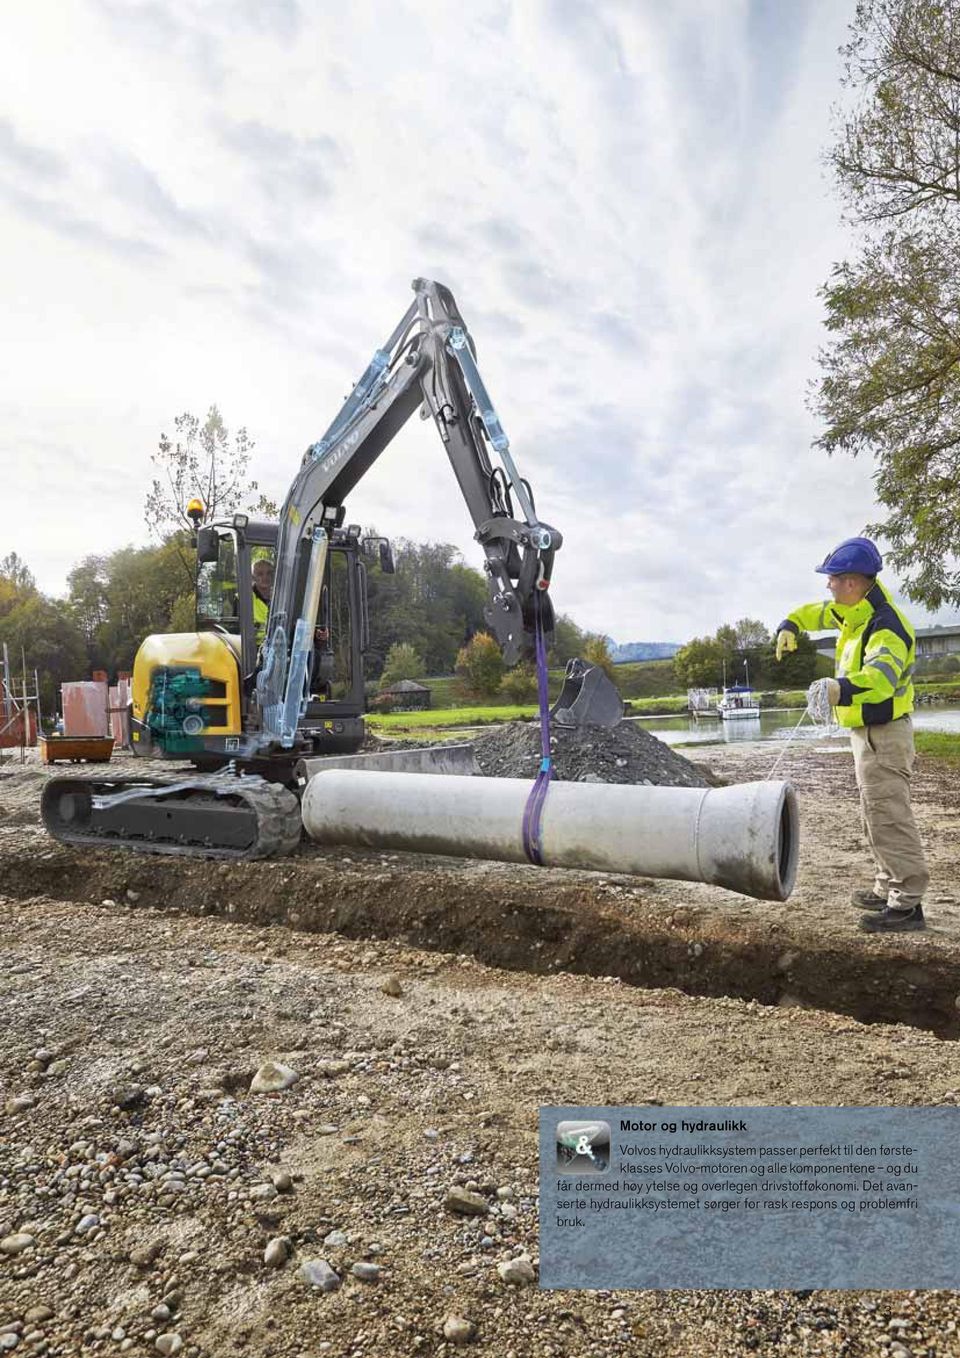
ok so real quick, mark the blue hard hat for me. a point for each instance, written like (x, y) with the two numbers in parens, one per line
(857, 556)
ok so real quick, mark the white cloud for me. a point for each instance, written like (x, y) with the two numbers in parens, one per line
(225, 202)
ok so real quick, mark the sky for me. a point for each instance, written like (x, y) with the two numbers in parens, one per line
(225, 201)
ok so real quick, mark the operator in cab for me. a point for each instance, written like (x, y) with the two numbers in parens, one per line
(262, 594)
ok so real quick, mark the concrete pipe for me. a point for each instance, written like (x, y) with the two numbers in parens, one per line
(744, 837)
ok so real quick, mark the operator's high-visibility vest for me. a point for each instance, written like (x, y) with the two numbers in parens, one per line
(261, 611)
(876, 653)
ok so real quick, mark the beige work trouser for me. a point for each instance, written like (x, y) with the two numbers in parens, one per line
(883, 759)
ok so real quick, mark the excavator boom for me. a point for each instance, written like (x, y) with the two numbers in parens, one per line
(427, 363)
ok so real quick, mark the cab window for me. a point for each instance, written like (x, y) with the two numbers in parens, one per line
(261, 590)
(217, 601)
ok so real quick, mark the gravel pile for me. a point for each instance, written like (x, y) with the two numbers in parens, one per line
(623, 754)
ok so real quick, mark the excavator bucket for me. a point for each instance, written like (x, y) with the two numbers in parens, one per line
(588, 698)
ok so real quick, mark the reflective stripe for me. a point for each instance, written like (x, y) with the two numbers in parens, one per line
(897, 661)
(886, 670)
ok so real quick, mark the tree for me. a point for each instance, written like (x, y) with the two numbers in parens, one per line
(890, 383)
(738, 650)
(896, 153)
(796, 669)
(750, 634)
(203, 462)
(596, 651)
(568, 640)
(726, 638)
(87, 591)
(50, 640)
(402, 662)
(700, 662)
(480, 666)
(183, 614)
(434, 602)
(117, 600)
(16, 570)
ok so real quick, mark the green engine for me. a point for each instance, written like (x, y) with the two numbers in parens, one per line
(176, 714)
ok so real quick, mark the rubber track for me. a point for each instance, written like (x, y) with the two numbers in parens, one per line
(279, 824)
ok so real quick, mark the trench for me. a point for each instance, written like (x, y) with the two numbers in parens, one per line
(520, 919)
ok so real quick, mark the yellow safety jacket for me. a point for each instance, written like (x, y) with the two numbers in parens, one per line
(876, 652)
(261, 611)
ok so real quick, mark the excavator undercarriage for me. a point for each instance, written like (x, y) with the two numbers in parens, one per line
(217, 816)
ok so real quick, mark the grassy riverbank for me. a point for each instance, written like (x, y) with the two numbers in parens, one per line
(938, 745)
(447, 712)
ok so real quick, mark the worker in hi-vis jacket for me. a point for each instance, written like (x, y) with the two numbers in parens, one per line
(262, 593)
(872, 695)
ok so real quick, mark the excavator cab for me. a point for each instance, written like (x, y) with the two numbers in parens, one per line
(194, 693)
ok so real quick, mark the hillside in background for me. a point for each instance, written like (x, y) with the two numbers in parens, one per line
(642, 650)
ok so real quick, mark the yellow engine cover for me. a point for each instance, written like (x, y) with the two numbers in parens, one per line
(217, 657)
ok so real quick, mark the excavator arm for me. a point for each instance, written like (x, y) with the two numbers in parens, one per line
(428, 363)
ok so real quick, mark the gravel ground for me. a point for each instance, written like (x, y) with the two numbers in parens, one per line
(150, 1202)
(146, 1179)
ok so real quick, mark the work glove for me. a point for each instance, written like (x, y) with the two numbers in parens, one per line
(786, 641)
(822, 696)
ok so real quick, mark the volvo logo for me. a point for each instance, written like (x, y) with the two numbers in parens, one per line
(341, 450)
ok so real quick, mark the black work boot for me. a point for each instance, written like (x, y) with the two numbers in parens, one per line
(889, 921)
(868, 900)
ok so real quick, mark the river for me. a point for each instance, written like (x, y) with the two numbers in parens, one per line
(772, 726)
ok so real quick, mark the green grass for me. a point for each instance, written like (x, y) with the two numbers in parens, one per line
(456, 716)
(443, 691)
(657, 707)
(938, 745)
(949, 691)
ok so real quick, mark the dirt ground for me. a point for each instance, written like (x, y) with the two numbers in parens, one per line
(139, 997)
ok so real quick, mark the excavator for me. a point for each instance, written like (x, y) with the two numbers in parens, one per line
(245, 705)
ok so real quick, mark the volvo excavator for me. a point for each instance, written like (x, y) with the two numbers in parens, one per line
(245, 705)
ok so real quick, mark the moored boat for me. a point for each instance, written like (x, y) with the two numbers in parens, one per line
(738, 702)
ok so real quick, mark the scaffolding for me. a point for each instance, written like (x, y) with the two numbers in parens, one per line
(20, 722)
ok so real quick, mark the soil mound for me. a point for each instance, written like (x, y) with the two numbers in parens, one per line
(621, 754)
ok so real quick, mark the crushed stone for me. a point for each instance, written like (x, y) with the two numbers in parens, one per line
(621, 754)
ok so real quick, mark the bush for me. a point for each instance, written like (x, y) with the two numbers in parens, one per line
(480, 666)
(519, 685)
(402, 662)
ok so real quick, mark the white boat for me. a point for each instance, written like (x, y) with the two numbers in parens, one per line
(738, 703)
